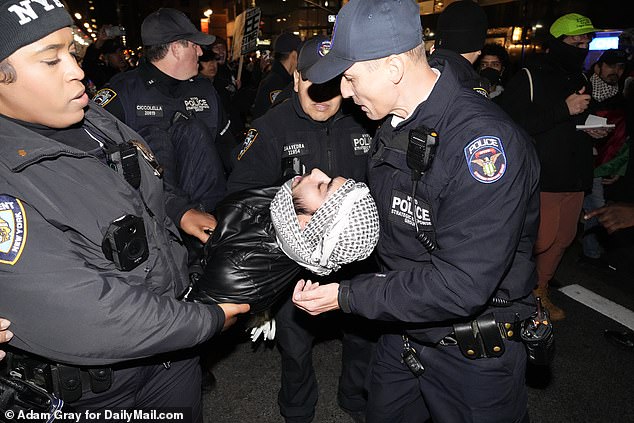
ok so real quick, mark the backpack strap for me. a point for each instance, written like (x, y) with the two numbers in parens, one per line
(530, 81)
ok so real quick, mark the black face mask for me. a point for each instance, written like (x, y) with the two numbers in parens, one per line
(492, 75)
(569, 57)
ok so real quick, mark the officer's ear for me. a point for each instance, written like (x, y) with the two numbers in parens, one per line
(296, 77)
(395, 66)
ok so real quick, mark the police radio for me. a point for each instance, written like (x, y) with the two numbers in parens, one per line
(123, 159)
(292, 166)
(421, 150)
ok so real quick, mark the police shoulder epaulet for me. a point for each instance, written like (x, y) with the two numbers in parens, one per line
(104, 96)
(249, 139)
(486, 159)
(13, 227)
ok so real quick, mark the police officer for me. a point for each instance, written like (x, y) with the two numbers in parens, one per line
(90, 264)
(286, 52)
(457, 228)
(311, 129)
(165, 102)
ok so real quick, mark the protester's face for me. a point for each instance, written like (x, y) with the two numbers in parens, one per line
(319, 101)
(209, 69)
(188, 59)
(579, 41)
(313, 189)
(610, 74)
(490, 61)
(221, 51)
(117, 61)
(370, 88)
(48, 88)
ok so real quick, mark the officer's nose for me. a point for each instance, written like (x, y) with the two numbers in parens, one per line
(346, 88)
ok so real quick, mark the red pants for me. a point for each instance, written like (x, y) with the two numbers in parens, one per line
(559, 216)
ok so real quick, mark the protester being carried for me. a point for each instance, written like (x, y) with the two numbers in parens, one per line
(264, 237)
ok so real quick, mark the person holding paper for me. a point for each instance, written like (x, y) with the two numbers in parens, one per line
(548, 100)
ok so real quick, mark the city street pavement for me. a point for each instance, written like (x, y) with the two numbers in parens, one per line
(590, 379)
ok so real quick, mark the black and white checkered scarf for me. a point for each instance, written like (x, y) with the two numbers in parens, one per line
(601, 90)
(344, 229)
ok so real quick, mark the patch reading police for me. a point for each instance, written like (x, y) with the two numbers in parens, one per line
(104, 96)
(295, 149)
(12, 229)
(361, 143)
(252, 134)
(196, 104)
(486, 159)
(402, 212)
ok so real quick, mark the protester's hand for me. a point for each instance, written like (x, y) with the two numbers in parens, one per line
(598, 133)
(578, 102)
(5, 334)
(614, 216)
(198, 223)
(102, 35)
(231, 313)
(314, 298)
(609, 180)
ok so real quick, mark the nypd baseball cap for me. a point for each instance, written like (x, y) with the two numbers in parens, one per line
(572, 24)
(24, 22)
(311, 51)
(285, 43)
(368, 30)
(166, 25)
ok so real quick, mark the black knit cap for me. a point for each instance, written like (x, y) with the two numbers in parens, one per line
(462, 27)
(24, 22)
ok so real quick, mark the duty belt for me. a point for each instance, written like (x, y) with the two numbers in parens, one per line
(482, 337)
(66, 382)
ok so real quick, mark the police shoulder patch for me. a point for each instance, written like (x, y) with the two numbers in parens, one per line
(104, 96)
(252, 134)
(486, 159)
(273, 95)
(12, 229)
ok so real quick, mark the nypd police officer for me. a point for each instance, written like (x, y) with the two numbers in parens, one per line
(90, 264)
(457, 228)
(176, 112)
(311, 129)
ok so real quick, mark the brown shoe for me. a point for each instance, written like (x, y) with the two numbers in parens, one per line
(555, 312)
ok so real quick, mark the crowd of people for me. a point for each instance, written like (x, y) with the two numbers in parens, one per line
(145, 207)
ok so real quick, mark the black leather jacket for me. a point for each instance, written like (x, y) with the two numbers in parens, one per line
(243, 261)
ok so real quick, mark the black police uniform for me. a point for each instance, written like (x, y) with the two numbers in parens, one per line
(285, 137)
(478, 203)
(59, 198)
(272, 84)
(149, 101)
